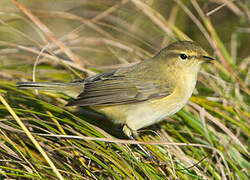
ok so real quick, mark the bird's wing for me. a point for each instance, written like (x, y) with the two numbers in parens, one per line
(113, 88)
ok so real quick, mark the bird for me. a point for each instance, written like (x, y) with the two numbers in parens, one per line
(140, 95)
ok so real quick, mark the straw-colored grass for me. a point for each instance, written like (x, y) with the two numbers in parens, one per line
(61, 41)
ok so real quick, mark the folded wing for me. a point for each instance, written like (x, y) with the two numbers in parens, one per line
(113, 88)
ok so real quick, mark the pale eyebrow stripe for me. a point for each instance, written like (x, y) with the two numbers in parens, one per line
(183, 52)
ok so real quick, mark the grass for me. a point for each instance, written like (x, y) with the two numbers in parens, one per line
(68, 40)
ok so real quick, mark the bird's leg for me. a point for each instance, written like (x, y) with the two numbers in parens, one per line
(133, 135)
(129, 132)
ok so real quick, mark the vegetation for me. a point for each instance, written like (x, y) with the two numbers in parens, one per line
(65, 40)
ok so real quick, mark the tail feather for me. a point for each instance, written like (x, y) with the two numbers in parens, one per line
(41, 85)
(72, 89)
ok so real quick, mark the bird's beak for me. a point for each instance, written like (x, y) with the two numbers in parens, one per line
(206, 58)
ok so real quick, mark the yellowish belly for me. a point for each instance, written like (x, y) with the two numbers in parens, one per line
(139, 115)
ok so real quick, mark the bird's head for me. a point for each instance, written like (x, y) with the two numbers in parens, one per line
(184, 55)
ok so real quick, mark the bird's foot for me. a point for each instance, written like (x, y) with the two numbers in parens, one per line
(133, 135)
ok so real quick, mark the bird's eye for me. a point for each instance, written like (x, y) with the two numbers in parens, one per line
(183, 56)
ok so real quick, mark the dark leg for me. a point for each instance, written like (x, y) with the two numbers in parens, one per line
(132, 135)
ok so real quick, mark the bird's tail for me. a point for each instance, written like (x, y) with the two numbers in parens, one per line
(72, 89)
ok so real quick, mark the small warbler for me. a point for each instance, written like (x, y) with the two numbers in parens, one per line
(140, 95)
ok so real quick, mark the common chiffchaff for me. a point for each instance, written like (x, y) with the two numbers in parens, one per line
(140, 95)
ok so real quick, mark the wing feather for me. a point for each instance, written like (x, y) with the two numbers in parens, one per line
(111, 89)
